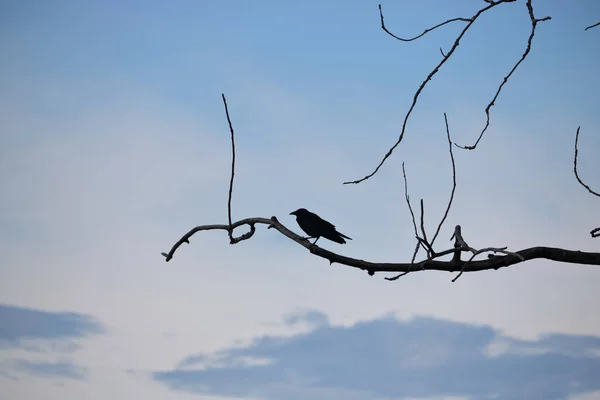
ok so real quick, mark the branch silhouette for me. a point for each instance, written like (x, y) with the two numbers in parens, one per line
(596, 231)
(445, 57)
(593, 26)
(534, 22)
(232, 240)
(497, 257)
(431, 264)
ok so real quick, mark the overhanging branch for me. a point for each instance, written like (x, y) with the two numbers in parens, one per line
(493, 261)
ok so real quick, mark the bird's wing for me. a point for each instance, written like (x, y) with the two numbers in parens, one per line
(326, 224)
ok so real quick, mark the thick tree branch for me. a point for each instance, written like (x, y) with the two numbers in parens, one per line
(534, 22)
(493, 262)
(445, 58)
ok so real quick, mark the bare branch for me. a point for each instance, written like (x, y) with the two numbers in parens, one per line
(575, 166)
(429, 77)
(453, 182)
(549, 253)
(412, 262)
(423, 226)
(486, 250)
(407, 197)
(534, 22)
(594, 232)
(412, 214)
(593, 26)
(424, 32)
(232, 240)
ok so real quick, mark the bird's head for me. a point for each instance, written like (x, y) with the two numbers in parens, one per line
(299, 211)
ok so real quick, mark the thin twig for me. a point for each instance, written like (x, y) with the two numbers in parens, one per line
(453, 182)
(423, 226)
(420, 241)
(575, 166)
(424, 32)
(534, 22)
(230, 231)
(412, 262)
(407, 197)
(485, 250)
(412, 214)
(593, 26)
(422, 86)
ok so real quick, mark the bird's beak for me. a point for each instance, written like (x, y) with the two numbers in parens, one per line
(293, 213)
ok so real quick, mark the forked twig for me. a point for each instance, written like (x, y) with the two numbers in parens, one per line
(471, 21)
(534, 22)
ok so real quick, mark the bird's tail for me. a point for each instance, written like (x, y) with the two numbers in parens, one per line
(344, 236)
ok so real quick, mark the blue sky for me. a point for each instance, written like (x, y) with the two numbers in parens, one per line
(114, 142)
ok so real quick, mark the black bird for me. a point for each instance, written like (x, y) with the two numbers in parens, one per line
(316, 227)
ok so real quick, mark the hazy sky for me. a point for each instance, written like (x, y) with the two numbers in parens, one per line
(114, 143)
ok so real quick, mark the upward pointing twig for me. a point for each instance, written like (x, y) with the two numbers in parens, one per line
(230, 230)
(453, 182)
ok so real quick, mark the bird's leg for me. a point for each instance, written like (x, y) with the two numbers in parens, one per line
(315, 242)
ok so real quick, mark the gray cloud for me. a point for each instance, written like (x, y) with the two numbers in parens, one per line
(50, 333)
(18, 323)
(60, 369)
(389, 358)
(310, 317)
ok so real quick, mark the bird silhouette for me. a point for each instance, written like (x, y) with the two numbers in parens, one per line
(317, 227)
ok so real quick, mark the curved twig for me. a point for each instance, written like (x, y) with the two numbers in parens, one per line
(424, 32)
(534, 22)
(589, 189)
